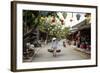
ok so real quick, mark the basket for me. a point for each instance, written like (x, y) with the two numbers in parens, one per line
(51, 50)
(58, 50)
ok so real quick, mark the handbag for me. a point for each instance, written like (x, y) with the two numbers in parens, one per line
(50, 50)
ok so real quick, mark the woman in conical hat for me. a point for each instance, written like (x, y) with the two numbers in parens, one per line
(54, 45)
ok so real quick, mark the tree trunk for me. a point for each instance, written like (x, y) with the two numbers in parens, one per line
(46, 38)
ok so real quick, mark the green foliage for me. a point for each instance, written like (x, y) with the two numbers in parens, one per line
(65, 32)
(32, 18)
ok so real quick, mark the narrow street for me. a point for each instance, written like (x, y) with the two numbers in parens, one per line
(55, 24)
(67, 53)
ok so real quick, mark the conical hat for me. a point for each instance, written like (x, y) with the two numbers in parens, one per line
(54, 39)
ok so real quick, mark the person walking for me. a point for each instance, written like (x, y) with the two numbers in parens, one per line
(54, 46)
(64, 44)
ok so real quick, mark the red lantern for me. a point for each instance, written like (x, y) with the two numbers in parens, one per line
(53, 20)
(62, 21)
(71, 20)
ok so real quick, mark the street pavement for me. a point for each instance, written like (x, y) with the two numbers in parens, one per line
(67, 53)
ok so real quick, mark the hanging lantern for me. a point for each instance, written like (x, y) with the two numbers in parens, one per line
(64, 15)
(71, 18)
(78, 16)
(53, 20)
(62, 21)
(88, 18)
(87, 14)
